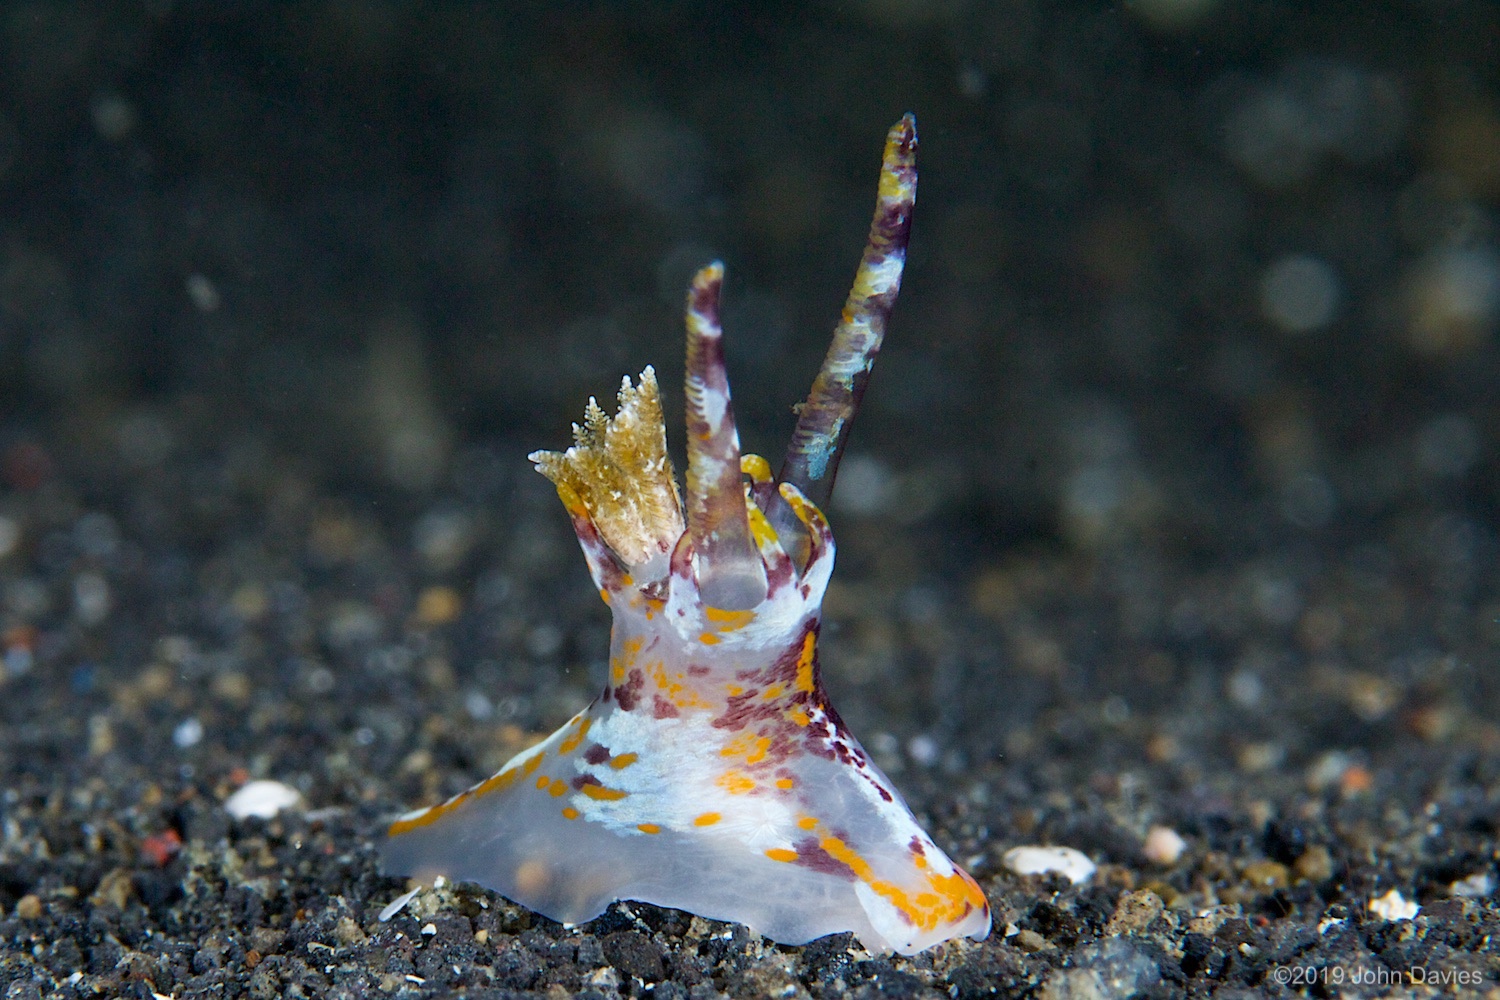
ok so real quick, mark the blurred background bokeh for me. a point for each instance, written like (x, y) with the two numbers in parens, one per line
(1200, 318)
(1174, 259)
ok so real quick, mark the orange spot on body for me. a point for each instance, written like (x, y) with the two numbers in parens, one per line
(570, 813)
(708, 639)
(805, 660)
(728, 621)
(678, 693)
(735, 783)
(623, 761)
(781, 854)
(952, 896)
(604, 793)
(648, 828)
(785, 783)
(799, 716)
(496, 782)
(557, 789)
(542, 781)
(737, 746)
(807, 822)
(762, 744)
(571, 743)
(707, 819)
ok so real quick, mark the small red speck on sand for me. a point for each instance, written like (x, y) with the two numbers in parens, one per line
(159, 847)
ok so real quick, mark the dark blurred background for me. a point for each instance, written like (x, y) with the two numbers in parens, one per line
(1200, 320)
(1172, 257)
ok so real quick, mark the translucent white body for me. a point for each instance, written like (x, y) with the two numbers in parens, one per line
(712, 776)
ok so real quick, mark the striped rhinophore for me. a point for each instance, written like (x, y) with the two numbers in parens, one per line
(823, 422)
(712, 774)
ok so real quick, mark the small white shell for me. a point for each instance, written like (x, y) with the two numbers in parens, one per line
(1394, 907)
(262, 799)
(1072, 864)
(398, 904)
(1163, 845)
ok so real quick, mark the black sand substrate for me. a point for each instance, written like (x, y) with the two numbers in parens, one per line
(1172, 513)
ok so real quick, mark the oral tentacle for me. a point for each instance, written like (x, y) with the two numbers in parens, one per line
(812, 457)
(730, 572)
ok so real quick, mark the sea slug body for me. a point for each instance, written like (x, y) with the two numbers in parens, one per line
(712, 774)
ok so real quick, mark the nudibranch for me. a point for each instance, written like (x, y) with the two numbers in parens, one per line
(712, 775)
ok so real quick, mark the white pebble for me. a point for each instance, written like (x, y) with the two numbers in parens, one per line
(607, 980)
(1393, 906)
(1163, 845)
(261, 799)
(189, 732)
(398, 904)
(1475, 886)
(1073, 864)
